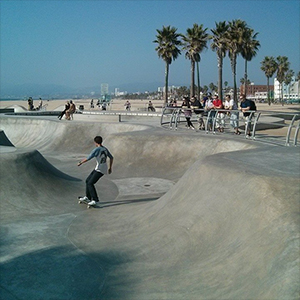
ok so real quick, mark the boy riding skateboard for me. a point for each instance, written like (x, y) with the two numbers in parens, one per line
(100, 153)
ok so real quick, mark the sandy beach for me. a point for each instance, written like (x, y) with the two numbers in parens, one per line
(118, 104)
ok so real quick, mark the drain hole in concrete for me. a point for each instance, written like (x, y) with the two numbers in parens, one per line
(147, 185)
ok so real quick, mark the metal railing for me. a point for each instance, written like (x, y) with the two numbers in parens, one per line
(280, 128)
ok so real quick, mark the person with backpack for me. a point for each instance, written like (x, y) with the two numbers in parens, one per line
(248, 108)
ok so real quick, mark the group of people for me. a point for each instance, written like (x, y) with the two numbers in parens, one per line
(99, 104)
(31, 106)
(69, 110)
(151, 107)
(215, 109)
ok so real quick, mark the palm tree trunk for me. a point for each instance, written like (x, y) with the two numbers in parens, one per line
(220, 75)
(245, 77)
(198, 79)
(233, 67)
(192, 92)
(268, 90)
(282, 94)
(166, 84)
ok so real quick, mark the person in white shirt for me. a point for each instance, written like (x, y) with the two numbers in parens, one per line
(234, 115)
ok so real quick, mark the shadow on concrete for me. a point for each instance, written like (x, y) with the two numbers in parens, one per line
(61, 273)
(122, 202)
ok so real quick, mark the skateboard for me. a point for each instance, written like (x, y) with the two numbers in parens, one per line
(86, 202)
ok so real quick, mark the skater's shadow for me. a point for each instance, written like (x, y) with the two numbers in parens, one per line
(125, 201)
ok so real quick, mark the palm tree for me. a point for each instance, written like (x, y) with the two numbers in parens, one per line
(269, 67)
(205, 89)
(288, 79)
(213, 87)
(282, 68)
(182, 91)
(168, 41)
(226, 85)
(249, 50)
(195, 41)
(236, 33)
(219, 45)
(245, 81)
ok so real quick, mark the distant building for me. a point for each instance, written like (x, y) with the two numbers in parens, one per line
(104, 89)
(257, 92)
(171, 89)
(290, 91)
(118, 93)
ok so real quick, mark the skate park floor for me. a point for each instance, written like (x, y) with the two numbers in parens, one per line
(184, 215)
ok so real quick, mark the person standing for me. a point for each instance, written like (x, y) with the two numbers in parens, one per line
(198, 110)
(234, 114)
(101, 154)
(187, 111)
(209, 111)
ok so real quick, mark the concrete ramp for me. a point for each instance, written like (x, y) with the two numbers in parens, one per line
(30, 184)
(184, 216)
(222, 232)
(4, 141)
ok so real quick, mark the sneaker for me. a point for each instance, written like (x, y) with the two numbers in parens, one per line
(84, 198)
(93, 202)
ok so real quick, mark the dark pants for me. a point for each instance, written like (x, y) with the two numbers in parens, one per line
(189, 122)
(90, 191)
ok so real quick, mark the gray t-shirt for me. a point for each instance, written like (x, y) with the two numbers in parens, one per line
(100, 153)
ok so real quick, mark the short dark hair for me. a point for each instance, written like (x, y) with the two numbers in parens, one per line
(98, 139)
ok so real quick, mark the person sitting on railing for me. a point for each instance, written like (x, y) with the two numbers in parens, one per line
(234, 115)
(198, 110)
(127, 105)
(246, 109)
(187, 111)
(40, 104)
(150, 106)
(218, 104)
(70, 111)
(67, 106)
(173, 103)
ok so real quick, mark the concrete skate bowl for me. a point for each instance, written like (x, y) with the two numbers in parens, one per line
(227, 229)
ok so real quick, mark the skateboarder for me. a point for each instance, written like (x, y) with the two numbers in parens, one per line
(100, 153)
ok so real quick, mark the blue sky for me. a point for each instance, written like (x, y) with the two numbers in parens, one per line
(86, 43)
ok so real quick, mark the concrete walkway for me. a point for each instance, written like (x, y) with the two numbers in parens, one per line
(184, 215)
